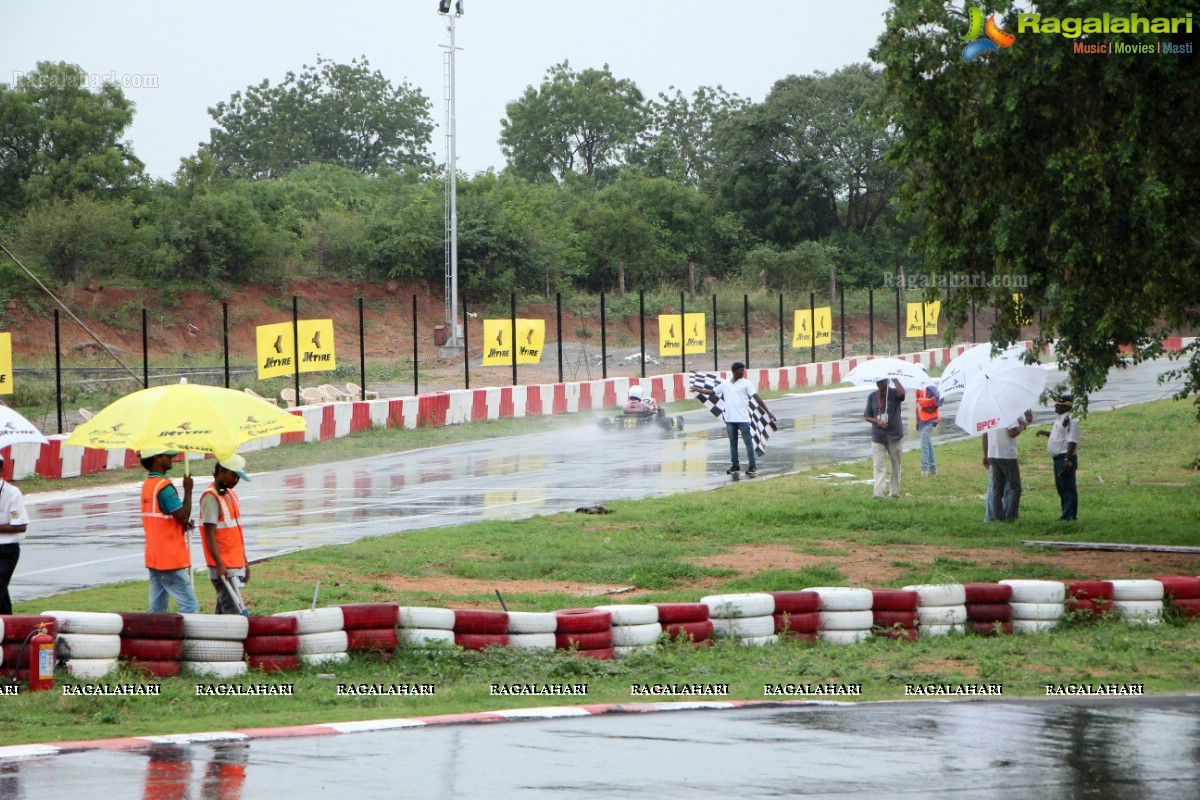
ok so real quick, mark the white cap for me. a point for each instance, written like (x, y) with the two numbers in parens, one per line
(235, 464)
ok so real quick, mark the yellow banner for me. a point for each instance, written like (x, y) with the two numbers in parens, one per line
(691, 340)
(1023, 315)
(932, 312)
(6, 363)
(277, 351)
(803, 327)
(497, 344)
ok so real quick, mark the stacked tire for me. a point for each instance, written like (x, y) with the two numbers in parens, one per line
(271, 644)
(1089, 599)
(894, 613)
(371, 628)
(1138, 602)
(532, 630)
(687, 621)
(846, 616)
(585, 632)
(1036, 605)
(152, 643)
(941, 608)
(797, 615)
(635, 628)
(1182, 594)
(476, 630)
(213, 645)
(88, 642)
(320, 638)
(15, 629)
(989, 608)
(747, 619)
(426, 628)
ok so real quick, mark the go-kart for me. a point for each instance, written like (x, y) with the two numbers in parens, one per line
(651, 418)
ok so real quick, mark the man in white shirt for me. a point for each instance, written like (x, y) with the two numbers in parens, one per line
(13, 521)
(1063, 448)
(738, 395)
(1005, 471)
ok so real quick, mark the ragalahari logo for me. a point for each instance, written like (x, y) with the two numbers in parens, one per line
(996, 38)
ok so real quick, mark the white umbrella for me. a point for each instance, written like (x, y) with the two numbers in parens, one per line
(15, 429)
(911, 376)
(960, 371)
(998, 396)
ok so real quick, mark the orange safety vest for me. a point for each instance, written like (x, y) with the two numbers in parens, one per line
(230, 542)
(927, 407)
(166, 541)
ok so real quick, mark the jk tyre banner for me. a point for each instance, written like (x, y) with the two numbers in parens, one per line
(690, 338)
(803, 327)
(277, 351)
(923, 319)
(6, 363)
(498, 345)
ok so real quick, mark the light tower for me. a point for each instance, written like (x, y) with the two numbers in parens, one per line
(454, 338)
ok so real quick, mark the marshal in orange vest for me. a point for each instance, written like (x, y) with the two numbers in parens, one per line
(927, 407)
(166, 541)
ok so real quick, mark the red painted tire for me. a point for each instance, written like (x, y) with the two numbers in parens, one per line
(152, 649)
(599, 653)
(367, 639)
(268, 645)
(988, 592)
(590, 640)
(582, 620)
(1095, 607)
(11, 652)
(157, 668)
(989, 612)
(681, 612)
(992, 628)
(275, 663)
(1090, 590)
(894, 600)
(1176, 586)
(18, 626)
(478, 641)
(1187, 606)
(806, 622)
(371, 615)
(696, 631)
(137, 625)
(898, 632)
(886, 619)
(796, 602)
(483, 623)
(273, 626)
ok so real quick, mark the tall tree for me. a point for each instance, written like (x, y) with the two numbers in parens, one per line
(344, 114)
(582, 123)
(1073, 173)
(58, 138)
(678, 142)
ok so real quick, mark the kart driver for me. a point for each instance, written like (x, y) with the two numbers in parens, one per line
(638, 403)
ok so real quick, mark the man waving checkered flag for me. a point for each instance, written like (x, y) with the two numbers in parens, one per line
(746, 415)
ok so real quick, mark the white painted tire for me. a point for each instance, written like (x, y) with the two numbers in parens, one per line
(941, 615)
(215, 669)
(528, 622)
(91, 669)
(738, 606)
(843, 598)
(212, 650)
(1138, 609)
(225, 627)
(311, 644)
(317, 620)
(430, 617)
(1025, 591)
(744, 627)
(843, 637)
(532, 641)
(88, 645)
(930, 631)
(635, 614)
(757, 641)
(1033, 625)
(1144, 590)
(102, 623)
(626, 652)
(322, 659)
(939, 594)
(846, 620)
(636, 635)
(427, 637)
(1036, 611)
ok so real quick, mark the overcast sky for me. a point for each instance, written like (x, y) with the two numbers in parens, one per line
(199, 54)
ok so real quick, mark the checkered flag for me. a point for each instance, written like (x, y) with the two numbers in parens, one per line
(760, 424)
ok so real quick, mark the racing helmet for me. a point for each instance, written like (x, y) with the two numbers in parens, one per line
(635, 392)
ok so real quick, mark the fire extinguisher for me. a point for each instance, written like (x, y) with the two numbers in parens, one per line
(41, 660)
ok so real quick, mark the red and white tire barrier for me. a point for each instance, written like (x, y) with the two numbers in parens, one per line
(213, 645)
(1182, 593)
(894, 613)
(748, 619)
(989, 610)
(371, 628)
(584, 631)
(15, 629)
(635, 628)
(688, 621)
(152, 643)
(797, 614)
(1037, 605)
(476, 630)
(531, 630)
(1139, 602)
(88, 642)
(425, 627)
(271, 644)
(837, 601)
(941, 608)
(1089, 598)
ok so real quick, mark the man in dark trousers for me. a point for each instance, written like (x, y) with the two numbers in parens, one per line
(224, 542)
(1063, 448)
(13, 522)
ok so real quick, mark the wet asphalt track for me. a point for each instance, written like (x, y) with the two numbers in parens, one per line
(90, 537)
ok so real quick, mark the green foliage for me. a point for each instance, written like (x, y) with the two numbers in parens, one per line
(678, 142)
(804, 267)
(76, 238)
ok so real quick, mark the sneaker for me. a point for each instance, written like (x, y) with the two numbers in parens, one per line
(733, 470)
(750, 473)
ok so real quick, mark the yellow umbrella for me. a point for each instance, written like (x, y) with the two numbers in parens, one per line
(186, 417)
